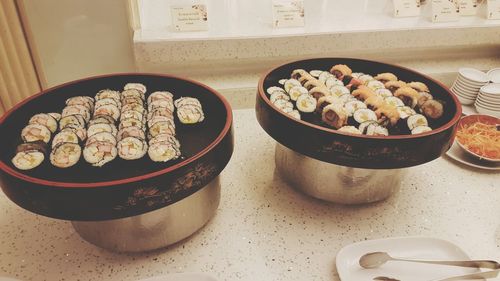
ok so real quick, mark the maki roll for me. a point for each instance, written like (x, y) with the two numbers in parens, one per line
(102, 119)
(130, 122)
(102, 137)
(132, 93)
(340, 70)
(162, 127)
(290, 83)
(278, 96)
(99, 153)
(418, 86)
(162, 104)
(334, 115)
(79, 131)
(420, 130)
(131, 131)
(284, 106)
(339, 90)
(306, 103)
(137, 86)
(432, 109)
(297, 73)
(99, 128)
(375, 84)
(156, 119)
(35, 132)
(385, 93)
(394, 85)
(374, 129)
(132, 114)
(362, 93)
(164, 148)
(107, 101)
(72, 120)
(296, 92)
(351, 106)
(312, 84)
(374, 102)
(319, 92)
(29, 155)
(77, 110)
(386, 77)
(326, 100)
(65, 136)
(416, 120)
(350, 130)
(189, 110)
(110, 110)
(325, 75)
(107, 93)
(131, 148)
(160, 112)
(295, 114)
(364, 126)
(394, 101)
(139, 107)
(387, 115)
(88, 102)
(423, 97)
(332, 81)
(45, 120)
(65, 154)
(164, 95)
(269, 91)
(365, 78)
(363, 115)
(55, 115)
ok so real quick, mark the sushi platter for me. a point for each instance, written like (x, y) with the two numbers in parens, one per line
(113, 146)
(357, 113)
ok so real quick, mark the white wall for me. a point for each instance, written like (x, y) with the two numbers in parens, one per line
(80, 38)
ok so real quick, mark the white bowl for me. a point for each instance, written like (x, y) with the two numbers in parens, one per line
(489, 98)
(494, 75)
(487, 105)
(467, 83)
(483, 110)
(492, 89)
(488, 102)
(468, 86)
(460, 91)
(473, 75)
(465, 101)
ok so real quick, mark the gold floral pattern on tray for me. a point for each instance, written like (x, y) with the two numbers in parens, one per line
(153, 196)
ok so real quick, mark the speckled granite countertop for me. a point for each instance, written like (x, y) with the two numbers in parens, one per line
(264, 229)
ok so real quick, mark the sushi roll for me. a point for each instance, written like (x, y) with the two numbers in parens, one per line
(297, 73)
(102, 119)
(423, 97)
(420, 130)
(79, 131)
(350, 130)
(102, 137)
(362, 93)
(315, 73)
(99, 153)
(45, 120)
(88, 102)
(306, 103)
(387, 115)
(107, 93)
(364, 126)
(132, 131)
(319, 92)
(408, 95)
(189, 110)
(332, 81)
(137, 86)
(164, 95)
(290, 83)
(362, 115)
(385, 93)
(346, 98)
(284, 106)
(65, 136)
(365, 79)
(340, 70)
(374, 102)
(130, 122)
(295, 114)
(351, 106)
(55, 115)
(131, 148)
(278, 96)
(163, 151)
(334, 115)
(77, 110)
(324, 76)
(111, 110)
(132, 93)
(327, 100)
(65, 154)
(375, 84)
(418, 86)
(296, 92)
(132, 100)
(139, 107)
(432, 109)
(29, 155)
(405, 112)
(160, 112)
(339, 90)
(35, 132)
(416, 120)
(76, 120)
(162, 104)
(132, 114)
(107, 101)
(386, 77)
(394, 85)
(374, 129)
(269, 91)
(394, 101)
(156, 119)
(312, 84)
(98, 128)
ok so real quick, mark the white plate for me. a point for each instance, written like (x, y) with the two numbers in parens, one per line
(492, 89)
(405, 247)
(458, 154)
(182, 277)
(468, 109)
(494, 75)
(465, 101)
(484, 110)
(468, 86)
(473, 75)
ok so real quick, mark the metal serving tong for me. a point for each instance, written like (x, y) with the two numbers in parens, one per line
(472, 276)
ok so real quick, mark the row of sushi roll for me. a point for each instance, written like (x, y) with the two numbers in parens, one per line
(358, 103)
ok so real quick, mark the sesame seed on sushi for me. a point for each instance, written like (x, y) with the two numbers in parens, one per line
(29, 155)
(65, 154)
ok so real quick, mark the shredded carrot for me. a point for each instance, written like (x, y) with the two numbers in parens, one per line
(482, 139)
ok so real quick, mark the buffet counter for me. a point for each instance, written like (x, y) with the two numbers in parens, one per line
(266, 230)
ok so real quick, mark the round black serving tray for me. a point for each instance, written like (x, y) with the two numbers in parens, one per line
(120, 188)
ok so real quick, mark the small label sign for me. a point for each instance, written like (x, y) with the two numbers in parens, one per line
(493, 10)
(406, 8)
(445, 10)
(189, 17)
(468, 7)
(288, 13)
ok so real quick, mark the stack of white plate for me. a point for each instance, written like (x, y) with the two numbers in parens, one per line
(488, 100)
(466, 86)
